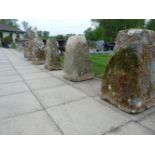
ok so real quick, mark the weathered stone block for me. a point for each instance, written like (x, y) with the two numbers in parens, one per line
(29, 51)
(52, 55)
(77, 64)
(129, 81)
(31, 35)
(26, 49)
(38, 54)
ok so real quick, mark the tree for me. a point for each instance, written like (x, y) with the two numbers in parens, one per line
(89, 33)
(110, 27)
(43, 34)
(94, 34)
(26, 26)
(68, 35)
(40, 34)
(151, 24)
(60, 36)
(10, 22)
(46, 34)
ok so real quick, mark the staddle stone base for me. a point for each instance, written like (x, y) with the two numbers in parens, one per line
(51, 68)
(38, 62)
(74, 78)
(129, 78)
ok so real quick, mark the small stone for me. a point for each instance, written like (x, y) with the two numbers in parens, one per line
(77, 64)
(38, 54)
(29, 53)
(52, 55)
(26, 49)
(31, 35)
(130, 72)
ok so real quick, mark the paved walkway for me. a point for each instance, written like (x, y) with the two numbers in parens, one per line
(36, 101)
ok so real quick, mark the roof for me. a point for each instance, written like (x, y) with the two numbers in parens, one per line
(6, 28)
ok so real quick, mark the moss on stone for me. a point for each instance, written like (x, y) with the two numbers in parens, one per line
(121, 75)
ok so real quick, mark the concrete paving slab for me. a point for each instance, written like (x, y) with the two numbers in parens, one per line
(10, 78)
(12, 88)
(58, 95)
(32, 76)
(3, 58)
(86, 116)
(90, 87)
(22, 67)
(5, 67)
(134, 117)
(44, 83)
(17, 104)
(28, 70)
(41, 67)
(8, 73)
(59, 74)
(68, 103)
(37, 123)
(4, 62)
(131, 128)
(149, 121)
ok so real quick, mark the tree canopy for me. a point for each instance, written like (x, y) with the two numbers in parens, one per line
(95, 34)
(26, 26)
(107, 29)
(151, 24)
(43, 34)
(10, 22)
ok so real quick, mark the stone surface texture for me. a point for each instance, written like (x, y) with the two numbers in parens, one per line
(129, 80)
(77, 64)
(31, 35)
(52, 55)
(38, 54)
(26, 49)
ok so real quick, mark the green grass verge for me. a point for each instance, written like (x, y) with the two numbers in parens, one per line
(99, 62)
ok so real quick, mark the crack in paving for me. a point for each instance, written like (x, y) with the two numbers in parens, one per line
(116, 128)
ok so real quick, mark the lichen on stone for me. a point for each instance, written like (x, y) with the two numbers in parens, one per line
(121, 74)
(129, 79)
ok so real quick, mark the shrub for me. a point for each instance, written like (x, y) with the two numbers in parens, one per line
(8, 39)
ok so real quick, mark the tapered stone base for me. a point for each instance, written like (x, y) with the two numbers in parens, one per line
(126, 107)
(129, 78)
(79, 78)
(38, 62)
(51, 68)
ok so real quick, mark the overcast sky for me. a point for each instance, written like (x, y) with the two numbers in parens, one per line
(55, 27)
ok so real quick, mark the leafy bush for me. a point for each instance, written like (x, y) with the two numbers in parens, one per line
(8, 39)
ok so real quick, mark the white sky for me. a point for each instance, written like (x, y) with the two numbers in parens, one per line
(64, 26)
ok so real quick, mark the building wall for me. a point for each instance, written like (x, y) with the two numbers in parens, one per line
(21, 36)
(5, 34)
(13, 36)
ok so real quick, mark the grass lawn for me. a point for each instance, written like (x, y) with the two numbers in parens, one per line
(99, 62)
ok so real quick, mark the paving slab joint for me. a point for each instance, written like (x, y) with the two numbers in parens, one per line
(52, 120)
